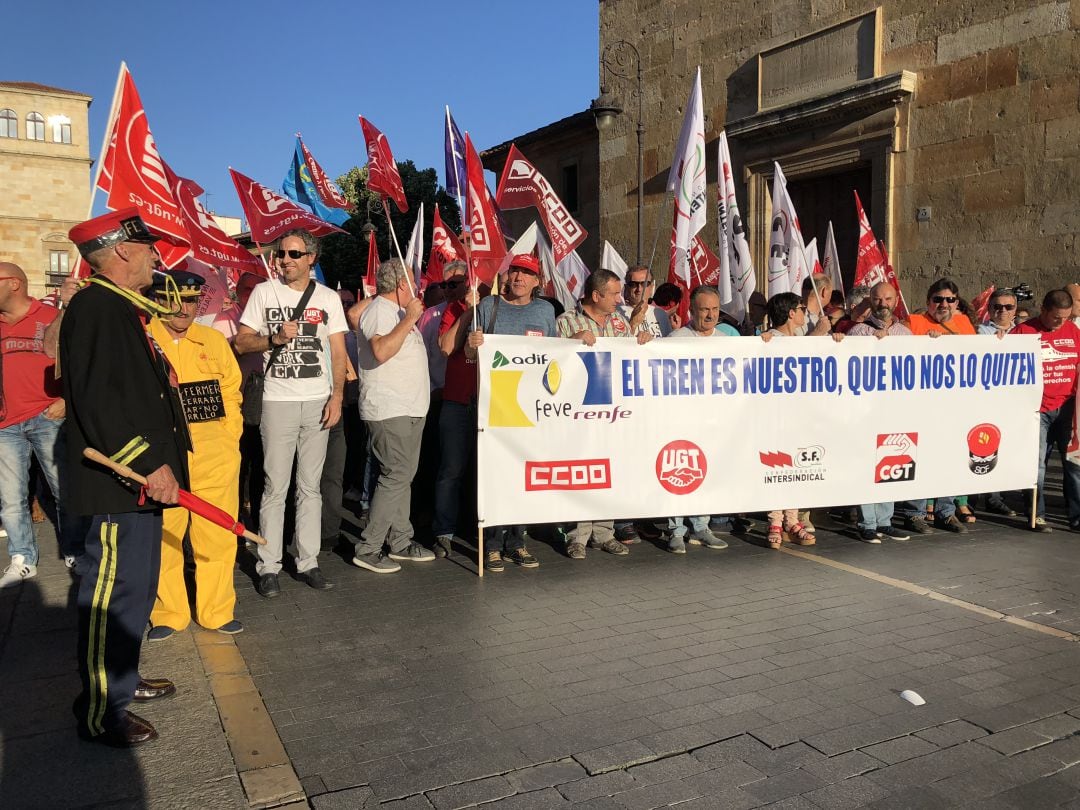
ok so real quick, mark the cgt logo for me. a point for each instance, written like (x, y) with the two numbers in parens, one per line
(896, 454)
(572, 474)
(681, 466)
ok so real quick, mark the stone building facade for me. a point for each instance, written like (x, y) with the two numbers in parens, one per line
(957, 122)
(567, 153)
(45, 162)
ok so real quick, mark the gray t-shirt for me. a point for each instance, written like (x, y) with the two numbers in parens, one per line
(534, 319)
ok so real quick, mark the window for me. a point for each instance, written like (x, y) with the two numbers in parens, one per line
(35, 126)
(61, 128)
(9, 124)
(570, 188)
(58, 262)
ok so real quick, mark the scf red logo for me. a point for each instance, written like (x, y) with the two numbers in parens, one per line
(681, 467)
(896, 453)
(583, 473)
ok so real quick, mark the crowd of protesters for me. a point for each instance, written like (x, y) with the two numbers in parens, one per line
(333, 401)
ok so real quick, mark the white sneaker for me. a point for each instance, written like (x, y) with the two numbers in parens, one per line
(17, 571)
(3, 533)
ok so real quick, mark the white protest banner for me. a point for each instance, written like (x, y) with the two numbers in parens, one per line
(696, 427)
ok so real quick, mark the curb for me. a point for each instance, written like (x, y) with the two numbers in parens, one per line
(266, 775)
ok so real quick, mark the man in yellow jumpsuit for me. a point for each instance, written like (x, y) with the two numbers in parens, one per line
(209, 382)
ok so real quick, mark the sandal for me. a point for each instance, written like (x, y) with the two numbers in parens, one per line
(965, 514)
(799, 536)
(776, 536)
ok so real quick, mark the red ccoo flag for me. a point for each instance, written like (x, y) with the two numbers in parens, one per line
(269, 215)
(486, 244)
(372, 266)
(445, 248)
(135, 174)
(210, 244)
(383, 174)
(329, 193)
(980, 305)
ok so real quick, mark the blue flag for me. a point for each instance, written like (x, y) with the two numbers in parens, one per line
(299, 187)
(455, 158)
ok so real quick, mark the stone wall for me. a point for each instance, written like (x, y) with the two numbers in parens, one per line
(992, 142)
(46, 184)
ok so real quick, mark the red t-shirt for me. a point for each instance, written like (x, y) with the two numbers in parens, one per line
(29, 382)
(1060, 354)
(460, 384)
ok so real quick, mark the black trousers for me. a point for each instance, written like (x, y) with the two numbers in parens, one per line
(116, 595)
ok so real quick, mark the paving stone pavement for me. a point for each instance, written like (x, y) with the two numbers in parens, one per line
(719, 679)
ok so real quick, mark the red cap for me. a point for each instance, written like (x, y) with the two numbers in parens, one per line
(111, 229)
(526, 262)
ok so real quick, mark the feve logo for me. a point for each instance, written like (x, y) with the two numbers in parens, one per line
(582, 473)
(681, 466)
(896, 454)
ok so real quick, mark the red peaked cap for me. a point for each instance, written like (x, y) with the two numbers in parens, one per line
(111, 229)
(526, 262)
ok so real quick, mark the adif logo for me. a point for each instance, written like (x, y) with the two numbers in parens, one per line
(681, 466)
(500, 360)
(896, 454)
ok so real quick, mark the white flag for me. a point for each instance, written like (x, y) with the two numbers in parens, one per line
(813, 258)
(687, 179)
(611, 260)
(787, 253)
(831, 264)
(414, 253)
(737, 280)
(553, 274)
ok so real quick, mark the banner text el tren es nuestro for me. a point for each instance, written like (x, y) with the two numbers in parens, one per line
(718, 426)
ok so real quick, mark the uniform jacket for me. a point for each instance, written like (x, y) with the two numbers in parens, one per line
(119, 401)
(204, 355)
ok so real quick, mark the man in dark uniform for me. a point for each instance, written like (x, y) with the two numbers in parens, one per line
(122, 401)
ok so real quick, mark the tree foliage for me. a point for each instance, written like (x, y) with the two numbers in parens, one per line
(344, 257)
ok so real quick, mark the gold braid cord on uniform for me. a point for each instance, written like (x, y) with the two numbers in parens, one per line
(172, 296)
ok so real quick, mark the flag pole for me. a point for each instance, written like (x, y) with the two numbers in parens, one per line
(113, 111)
(390, 223)
(467, 244)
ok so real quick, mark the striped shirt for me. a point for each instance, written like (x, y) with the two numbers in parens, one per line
(570, 323)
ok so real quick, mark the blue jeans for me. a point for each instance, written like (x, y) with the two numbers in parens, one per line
(877, 515)
(1055, 427)
(698, 525)
(45, 438)
(457, 442)
(944, 508)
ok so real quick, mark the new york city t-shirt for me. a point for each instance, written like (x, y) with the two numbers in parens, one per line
(302, 371)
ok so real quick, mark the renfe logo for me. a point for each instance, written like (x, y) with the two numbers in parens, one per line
(581, 473)
(896, 453)
(681, 467)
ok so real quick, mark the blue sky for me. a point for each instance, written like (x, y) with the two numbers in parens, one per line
(229, 83)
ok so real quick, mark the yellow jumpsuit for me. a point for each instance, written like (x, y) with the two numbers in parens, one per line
(214, 468)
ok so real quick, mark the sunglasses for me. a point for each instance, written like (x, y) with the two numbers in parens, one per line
(292, 254)
(637, 284)
(452, 284)
(944, 299)
(1006, 307)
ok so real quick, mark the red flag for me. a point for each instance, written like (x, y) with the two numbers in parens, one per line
(210, 244)
(980, 305)
(521, 186)
(383, 174)
(487, 246)
(372, 266)
(445, 248)
(329, 193)
(137, 176)
(873, 265)
(269, 215)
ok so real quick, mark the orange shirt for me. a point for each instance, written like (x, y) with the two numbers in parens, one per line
(958, 325)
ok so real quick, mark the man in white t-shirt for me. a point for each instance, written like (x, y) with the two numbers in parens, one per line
(302, 399)
(394, 397)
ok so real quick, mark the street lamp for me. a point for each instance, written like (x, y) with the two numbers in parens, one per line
(615, 60)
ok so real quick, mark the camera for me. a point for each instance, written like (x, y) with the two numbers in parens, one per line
(1022, 292)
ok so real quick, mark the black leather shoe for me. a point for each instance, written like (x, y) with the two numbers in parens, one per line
(132, 730)
(315, 579)
(268, 586)
(153, 688)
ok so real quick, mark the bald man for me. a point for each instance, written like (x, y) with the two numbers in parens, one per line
(31, 418)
